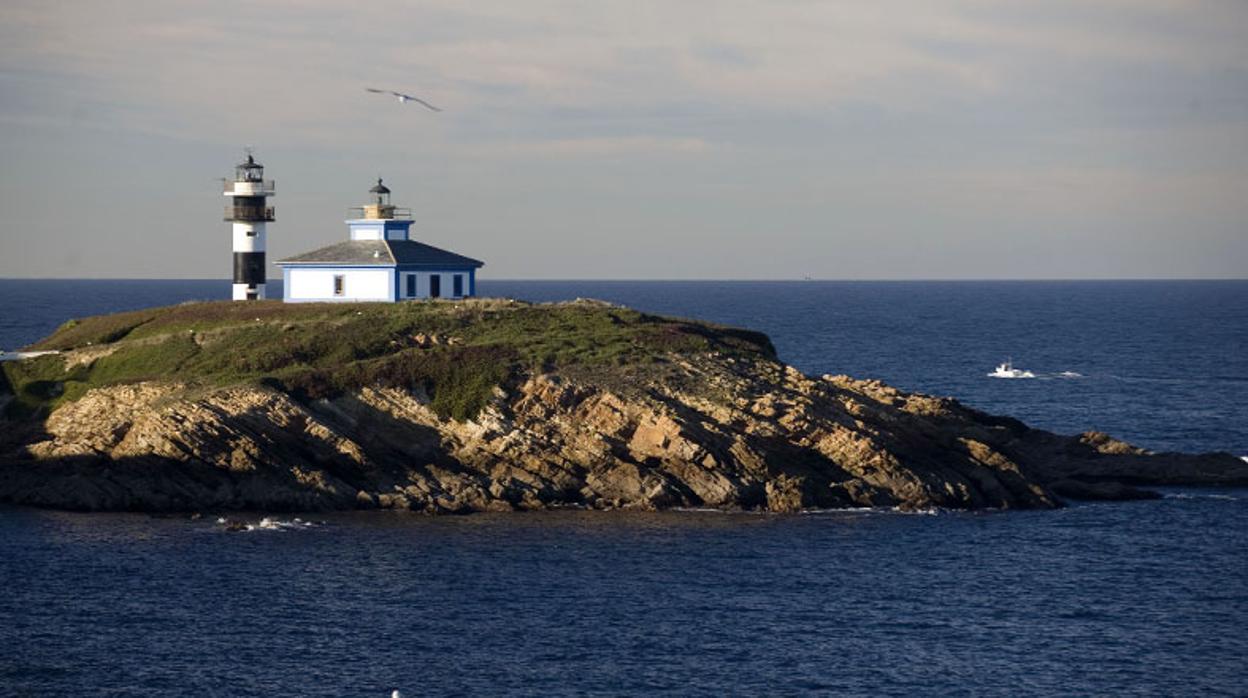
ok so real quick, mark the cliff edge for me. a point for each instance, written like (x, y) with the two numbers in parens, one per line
(501, 405)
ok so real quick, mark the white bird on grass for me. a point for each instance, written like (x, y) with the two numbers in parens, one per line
(403, 99)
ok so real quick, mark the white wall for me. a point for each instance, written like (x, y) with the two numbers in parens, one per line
(366, 232)
(240, 292)
(318, 284)
(248, 243)
(247, 188)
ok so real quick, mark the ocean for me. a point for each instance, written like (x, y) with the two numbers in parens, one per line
(1108, 598)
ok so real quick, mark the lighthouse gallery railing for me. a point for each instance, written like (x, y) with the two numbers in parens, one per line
(249, 214)
(391, 213)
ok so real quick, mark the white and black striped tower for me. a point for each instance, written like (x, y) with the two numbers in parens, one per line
(249, 211)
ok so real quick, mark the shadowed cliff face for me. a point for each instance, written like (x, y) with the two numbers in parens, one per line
(693, 425)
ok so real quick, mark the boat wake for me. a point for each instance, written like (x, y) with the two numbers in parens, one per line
(1007, 370)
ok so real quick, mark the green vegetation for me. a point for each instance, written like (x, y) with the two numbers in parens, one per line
(458, 352)
(459, 380)
(39, 383)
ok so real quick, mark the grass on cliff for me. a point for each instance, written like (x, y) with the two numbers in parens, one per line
(457, 352)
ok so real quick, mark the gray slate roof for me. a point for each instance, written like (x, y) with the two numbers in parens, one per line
(362, 252)
(385, 253)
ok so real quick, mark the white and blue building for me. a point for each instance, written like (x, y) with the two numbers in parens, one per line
(378, 262)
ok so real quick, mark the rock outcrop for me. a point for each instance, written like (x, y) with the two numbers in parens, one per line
(708, 430)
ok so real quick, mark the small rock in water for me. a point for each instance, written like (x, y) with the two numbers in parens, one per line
(234, 525)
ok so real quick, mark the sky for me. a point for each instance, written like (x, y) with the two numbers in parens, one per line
(639, 139)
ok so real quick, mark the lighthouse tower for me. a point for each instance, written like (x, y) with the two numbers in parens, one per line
(249, 211)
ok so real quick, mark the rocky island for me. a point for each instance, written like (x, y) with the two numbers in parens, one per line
(488, 405)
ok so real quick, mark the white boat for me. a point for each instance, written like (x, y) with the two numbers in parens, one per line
(1007, 370)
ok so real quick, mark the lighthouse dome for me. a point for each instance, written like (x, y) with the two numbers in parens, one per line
(379, 188)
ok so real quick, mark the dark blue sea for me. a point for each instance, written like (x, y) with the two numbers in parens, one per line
(1123, 598)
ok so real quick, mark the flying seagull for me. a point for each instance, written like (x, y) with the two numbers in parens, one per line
(402, 97)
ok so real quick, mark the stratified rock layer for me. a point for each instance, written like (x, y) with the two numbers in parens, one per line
(708, 431)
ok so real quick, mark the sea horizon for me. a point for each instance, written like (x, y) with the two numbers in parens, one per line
(684, 280)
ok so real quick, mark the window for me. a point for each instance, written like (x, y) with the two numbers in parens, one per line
(458, 285)
(251, 233)
(340, 284)
(435, 285)
(411, 285)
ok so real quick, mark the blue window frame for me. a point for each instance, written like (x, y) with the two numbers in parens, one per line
(411, 285)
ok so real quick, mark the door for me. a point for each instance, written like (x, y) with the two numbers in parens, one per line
(411, 285)
(457, 284)
(435, 285)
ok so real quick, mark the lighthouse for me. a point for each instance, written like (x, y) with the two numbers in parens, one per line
(248, 211)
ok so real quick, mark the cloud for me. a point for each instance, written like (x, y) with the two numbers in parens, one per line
(229, 67)
(909, 115)
(580, 147)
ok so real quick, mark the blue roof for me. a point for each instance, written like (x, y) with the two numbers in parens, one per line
(409, 253)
